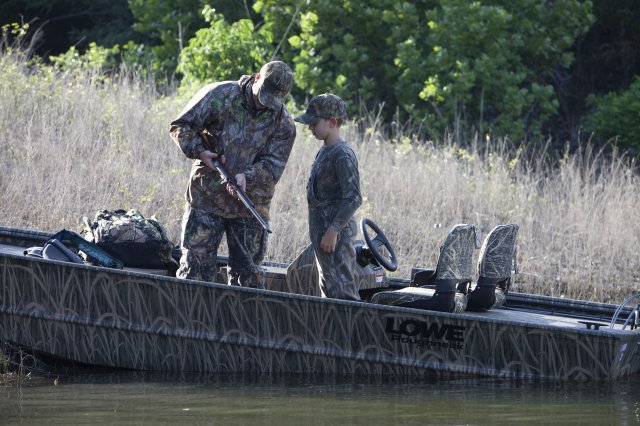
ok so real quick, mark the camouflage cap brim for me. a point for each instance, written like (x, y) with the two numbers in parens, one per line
(268, 99)
(307, 118)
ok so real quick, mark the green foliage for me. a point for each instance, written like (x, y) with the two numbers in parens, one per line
(14, 30)
(95, 58)
(167, 26)
(617, 116)
(494, 67)
(453, 64)
(224, 51)
(102, 61)
(488, 65)
(65, 23)
(12, 38)
(340, 46)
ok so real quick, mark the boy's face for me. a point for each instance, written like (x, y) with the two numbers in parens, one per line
(322, 127)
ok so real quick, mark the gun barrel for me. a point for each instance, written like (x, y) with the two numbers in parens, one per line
(231, 181)
(241, 195)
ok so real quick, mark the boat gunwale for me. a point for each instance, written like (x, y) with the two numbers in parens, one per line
(485, 317)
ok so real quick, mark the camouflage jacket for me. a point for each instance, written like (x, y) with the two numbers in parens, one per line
(254, 142)
(334, 184)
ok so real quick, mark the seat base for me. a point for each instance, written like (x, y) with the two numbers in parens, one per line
(488, 294)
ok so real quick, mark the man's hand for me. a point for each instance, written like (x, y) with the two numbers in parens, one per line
(207, 158)
(241, 181)
(329, 239)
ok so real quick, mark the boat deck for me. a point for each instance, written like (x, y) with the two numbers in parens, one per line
(9, 249)
(516, 314)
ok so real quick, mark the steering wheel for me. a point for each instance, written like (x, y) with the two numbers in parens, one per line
(371, 251)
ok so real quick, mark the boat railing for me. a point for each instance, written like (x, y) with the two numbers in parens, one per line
(633, 318)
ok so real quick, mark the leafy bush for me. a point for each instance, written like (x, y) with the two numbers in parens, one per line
(617, 116)
(452, 64)
(166, 26)
(95, 58)
(223, 51)
(490, 63)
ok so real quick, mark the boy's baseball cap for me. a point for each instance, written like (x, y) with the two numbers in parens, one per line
(275, 84)
(323, 106)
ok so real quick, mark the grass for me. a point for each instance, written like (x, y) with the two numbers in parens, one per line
(75, 142)
(14, 365)
(4, 362)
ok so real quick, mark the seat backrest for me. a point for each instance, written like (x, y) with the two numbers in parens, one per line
(456, 255)
(497, 252)
(55, 250)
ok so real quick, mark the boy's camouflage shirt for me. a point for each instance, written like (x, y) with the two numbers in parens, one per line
(334, 187)
(254, 142)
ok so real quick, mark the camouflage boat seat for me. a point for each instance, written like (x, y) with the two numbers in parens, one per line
(496, 260)
(445, 288)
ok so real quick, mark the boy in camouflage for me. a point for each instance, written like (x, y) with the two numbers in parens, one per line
(253, 134)
(333, 196)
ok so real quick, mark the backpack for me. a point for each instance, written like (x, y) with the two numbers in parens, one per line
(137, 241)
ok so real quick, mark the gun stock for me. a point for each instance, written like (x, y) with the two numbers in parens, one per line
(230, 180)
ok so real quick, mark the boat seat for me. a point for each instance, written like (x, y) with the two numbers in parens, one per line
(495, 263)
(443, 289)
(55, 250)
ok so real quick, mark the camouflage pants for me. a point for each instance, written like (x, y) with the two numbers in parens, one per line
(201, 236)
(336, 270)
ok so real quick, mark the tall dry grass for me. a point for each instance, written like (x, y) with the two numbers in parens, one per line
(77, 142)
(15, 365)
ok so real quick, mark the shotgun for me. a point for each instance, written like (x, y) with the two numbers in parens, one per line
(206, 140)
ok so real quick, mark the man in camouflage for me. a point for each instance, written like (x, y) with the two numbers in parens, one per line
(333, 196)
(253, 134)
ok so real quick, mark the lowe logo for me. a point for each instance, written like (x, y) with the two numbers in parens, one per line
(422, 333)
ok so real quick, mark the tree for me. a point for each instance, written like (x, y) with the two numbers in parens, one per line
(616, 115)
(607, 59)
(167, 27)
(500, 66)
(337, 46)
(484, 66)
(66, 23)
(223, 51)
(488, 65)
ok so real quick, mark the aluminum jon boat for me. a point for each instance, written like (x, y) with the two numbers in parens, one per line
(437, 322)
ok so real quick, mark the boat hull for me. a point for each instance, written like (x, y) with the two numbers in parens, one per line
(124, 319)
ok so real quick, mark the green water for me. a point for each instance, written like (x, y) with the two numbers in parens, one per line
(137, 398)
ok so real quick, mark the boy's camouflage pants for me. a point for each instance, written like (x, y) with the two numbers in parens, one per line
(336, 270)
(201, 236)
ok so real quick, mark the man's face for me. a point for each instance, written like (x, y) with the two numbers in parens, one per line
(254, 91)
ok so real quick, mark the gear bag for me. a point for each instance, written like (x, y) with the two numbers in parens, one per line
(127, 235)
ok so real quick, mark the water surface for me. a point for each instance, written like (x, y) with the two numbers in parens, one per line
(142, 398)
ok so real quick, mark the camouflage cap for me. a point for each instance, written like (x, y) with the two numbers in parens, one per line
(323, 106)
(275, 84)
